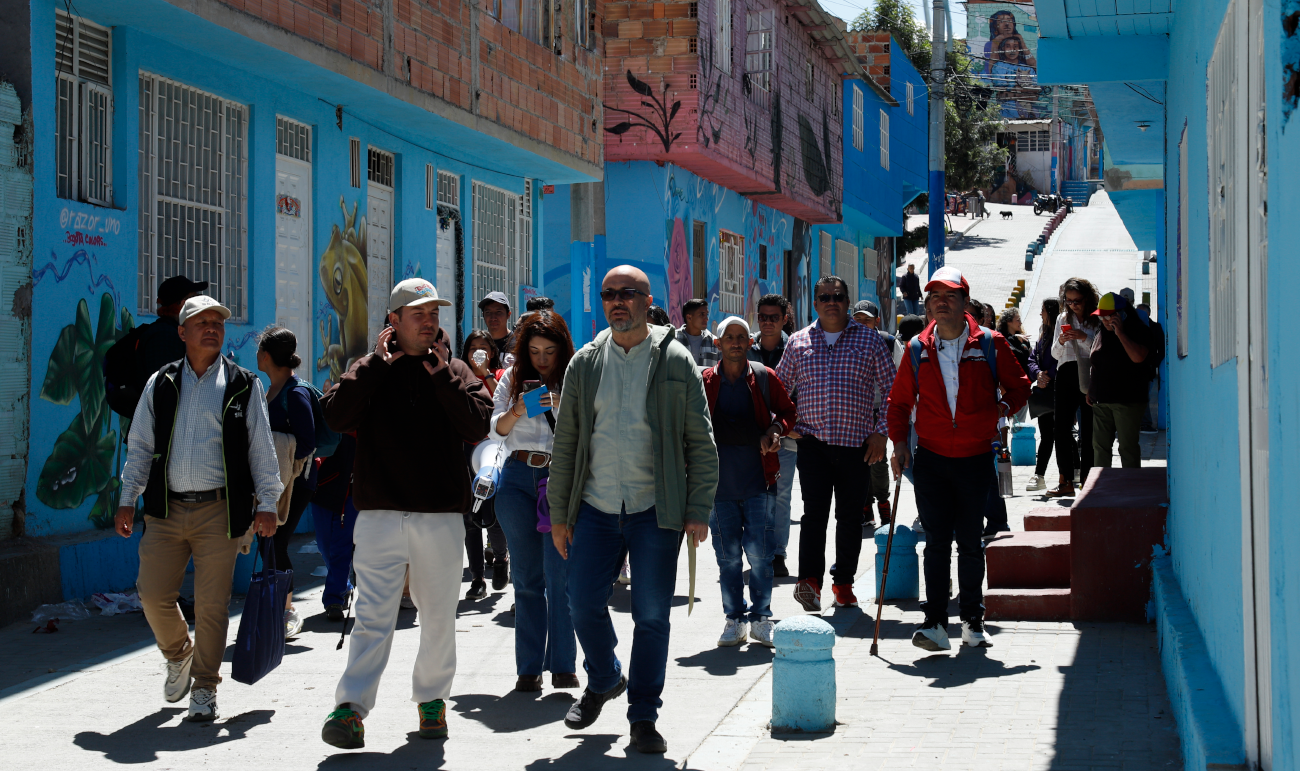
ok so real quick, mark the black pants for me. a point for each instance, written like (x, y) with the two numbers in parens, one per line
(879, 492)
(297, 505)
(474, 544)
(1069, 400)
(1047, 438)
(826, 469)
(951, 497)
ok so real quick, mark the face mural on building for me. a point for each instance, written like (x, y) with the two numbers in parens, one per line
(679, 272)
(1002, 40)
(343, 276)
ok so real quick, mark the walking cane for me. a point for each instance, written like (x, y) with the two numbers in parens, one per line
(884, 575)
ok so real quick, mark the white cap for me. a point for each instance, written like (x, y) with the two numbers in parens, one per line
(200, 303)
(728, 321)
(414, 291)
(950, 277)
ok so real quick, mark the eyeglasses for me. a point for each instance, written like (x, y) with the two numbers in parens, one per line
(772, 318)
(1076, 301)
(838, 297)
(625, 294)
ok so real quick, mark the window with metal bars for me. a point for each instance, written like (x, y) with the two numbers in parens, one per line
(449, 189)
(430, 186)
(1224, 83)
(759, 44)
(84, 110)
(857, 117)
(379, 167)
(911, 96)
(722, 36)
(731, 273)
(884, 140)
(845, 258)
(502, 242)
(292, 139)
(1033, 141)
(193, 218)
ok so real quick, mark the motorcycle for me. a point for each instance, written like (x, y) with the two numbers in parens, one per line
(1051, 203)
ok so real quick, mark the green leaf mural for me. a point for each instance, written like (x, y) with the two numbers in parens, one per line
(105, 508)
(80, 465)
(61, 374)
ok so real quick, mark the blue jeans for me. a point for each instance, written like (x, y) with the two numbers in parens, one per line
(913, 307)
(543, 627)
(334, 539)
(744, 525)
(594, 561)
(781, 506)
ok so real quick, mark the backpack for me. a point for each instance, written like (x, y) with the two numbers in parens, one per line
(327, 439)
(990, 349)
(760, 375)
(119, 371)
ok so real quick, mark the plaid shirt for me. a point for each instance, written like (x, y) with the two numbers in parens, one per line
(708, 350)
(836, 383)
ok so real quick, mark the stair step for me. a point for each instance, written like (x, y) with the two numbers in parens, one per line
(1053, 518)
(1027, 605)
(1029, 560)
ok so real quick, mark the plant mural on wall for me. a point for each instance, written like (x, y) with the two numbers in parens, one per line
(660, 120)
(712, 97)
(86, 457)
(344, 277)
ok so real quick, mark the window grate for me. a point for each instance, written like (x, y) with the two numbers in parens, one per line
(722, 36)
(1223, 103)
(731, 273)
(83, 110)
(379, 167)
(354, 156)
(526, 234)
(825, 256)
(857, 117)
(911, 97)
(1033, 141)
(430, 186)
(496, 244)
(759, 37)
(193, 191)
(884, 139)
(292, 139)
(846, 255)
(449, 189)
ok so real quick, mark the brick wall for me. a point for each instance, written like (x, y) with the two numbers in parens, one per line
(522, 86)
(719, 131)
(872, 49)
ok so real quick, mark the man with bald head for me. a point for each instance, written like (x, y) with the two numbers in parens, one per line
(634, 468)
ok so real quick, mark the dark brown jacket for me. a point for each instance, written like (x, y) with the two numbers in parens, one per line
(410, 429)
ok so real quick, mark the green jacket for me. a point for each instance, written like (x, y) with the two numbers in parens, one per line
(685, 457)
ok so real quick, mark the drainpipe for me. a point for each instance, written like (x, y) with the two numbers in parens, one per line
(938, 67)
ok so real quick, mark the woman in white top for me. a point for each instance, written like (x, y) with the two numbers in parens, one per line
(544, 637)
(1069, 345)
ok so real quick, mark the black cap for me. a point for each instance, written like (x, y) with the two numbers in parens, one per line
(867, 307)
(177, 289)
(910, 326)
(494, 297)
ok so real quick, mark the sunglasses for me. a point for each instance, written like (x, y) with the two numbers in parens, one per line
(625, 294)
(772, 318)
(838, 297)
(1078, 301)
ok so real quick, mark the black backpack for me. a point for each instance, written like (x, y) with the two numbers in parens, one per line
(120, 388)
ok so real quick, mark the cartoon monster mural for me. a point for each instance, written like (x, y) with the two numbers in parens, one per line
(344, 277)
(82, 462)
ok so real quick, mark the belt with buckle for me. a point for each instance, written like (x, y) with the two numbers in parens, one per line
(202, 496)
(533, 459)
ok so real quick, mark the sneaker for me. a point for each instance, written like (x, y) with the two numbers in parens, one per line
(343, 729)
(335, 612)
(203, 705)
(932, 636)
(844, 597)
(973, 634)
(779, 570)
(407, 602)
(433, 719)
(292, 623)
(585, 711)
(1036, 482)
(733, 633)
(477, 590)
(808, 593)
(991, 532)
(500, 575)
(885, 514)
(625, 574)
(178, 679)
(647, 739)
(761, 632)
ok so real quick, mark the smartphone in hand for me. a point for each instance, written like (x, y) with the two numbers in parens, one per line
(529, 385)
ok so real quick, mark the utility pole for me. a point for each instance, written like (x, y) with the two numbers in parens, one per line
(938, 70)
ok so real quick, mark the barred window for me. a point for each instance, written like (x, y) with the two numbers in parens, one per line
(502, 242)
(84, 110)
(731, 273)
(759, 36)
(857, 117)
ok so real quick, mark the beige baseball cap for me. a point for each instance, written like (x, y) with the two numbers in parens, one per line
(414, 291)
(200, 303)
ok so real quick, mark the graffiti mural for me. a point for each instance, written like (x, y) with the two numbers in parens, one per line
(679, 272)
(1002, 39)
(343, 276)
(86, 457)
(660, 119)
(801, 243)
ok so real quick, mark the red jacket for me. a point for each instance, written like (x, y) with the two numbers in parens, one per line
(975, 426)
(781, 411)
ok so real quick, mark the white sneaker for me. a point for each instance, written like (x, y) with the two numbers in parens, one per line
(761, 632)
(973, 634)
(625, 574)
(1036, 482)
(733, 633)
(203, 705)
(292, 623)
(932, 637)
(178, 679)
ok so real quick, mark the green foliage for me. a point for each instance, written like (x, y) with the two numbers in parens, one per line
(896, 18)
(912, 240)
(80, 465)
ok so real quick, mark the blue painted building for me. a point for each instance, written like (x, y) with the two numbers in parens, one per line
(302, 160)
(1196, 102)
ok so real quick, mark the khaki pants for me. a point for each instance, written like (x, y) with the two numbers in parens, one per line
(195, 530)
(1110, 421)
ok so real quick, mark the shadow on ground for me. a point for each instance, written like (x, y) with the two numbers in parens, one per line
(516, 711)
(143, 740)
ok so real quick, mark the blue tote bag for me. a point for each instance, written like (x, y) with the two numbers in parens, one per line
(259, 646)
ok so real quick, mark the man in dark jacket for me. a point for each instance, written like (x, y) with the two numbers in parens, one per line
(1118, 393)
(910, 287)
(412, 405)
(130, 363)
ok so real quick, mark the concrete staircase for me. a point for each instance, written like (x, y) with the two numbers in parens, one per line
(1029, 571)
(1077, 189)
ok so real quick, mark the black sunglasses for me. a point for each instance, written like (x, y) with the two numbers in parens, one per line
(838, 297)
(772, 318)
(625, 294)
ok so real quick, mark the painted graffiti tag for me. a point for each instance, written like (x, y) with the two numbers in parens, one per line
(78, 238)
(90, 223)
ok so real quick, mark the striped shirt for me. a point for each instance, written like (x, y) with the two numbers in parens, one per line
(195, 462)
(838, 385)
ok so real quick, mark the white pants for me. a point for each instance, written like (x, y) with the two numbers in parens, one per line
(387, 543)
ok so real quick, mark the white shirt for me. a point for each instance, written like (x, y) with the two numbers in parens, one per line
(1067, 353)
(831, 337)
(950, 366)
(533, 434)
(622, 460)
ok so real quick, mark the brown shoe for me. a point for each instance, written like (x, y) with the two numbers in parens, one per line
(564, 680)
(1065, 489)
(529, 683)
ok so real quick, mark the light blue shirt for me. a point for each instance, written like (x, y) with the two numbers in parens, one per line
(195, 463)
(622, 460)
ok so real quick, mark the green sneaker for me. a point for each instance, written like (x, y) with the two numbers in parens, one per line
(343, 729)
(433, 719)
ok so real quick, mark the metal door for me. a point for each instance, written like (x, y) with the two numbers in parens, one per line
(293, 252)
(379, 256)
